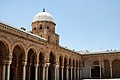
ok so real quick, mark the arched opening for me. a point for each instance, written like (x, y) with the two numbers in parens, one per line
(76, 69)
(3, 53)
(65, 66)
(106, 69)
(95, 70)
(51, 69)
(73, 69)
(60, 68)
(79, 69)
(30, 65)
(95, 63)
(41, 66)
(116, 68)
(16, 69)
(70, 65)
(86, 69)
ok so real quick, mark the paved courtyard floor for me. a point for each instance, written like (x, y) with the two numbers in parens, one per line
(102, 79)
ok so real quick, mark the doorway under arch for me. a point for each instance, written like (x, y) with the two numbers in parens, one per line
(30, 65)
(116, 68)
(51, 69)
(16, 69)
(95, 70)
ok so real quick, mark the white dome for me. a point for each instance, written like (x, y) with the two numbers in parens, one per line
(43, 16)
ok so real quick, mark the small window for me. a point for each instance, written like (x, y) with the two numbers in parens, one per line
(47, 27)
(35, 28)
(40, 26)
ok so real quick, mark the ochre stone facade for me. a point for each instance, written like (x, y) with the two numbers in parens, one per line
(37, 55)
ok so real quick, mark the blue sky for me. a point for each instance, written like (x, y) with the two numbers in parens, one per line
(92, 25)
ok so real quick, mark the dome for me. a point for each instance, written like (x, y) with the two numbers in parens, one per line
(43, 16)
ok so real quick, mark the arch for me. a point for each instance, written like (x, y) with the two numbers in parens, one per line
(32, 57)
(116, 68)
(86, 68)
(21, 45)
(41, 66)
(34, 49)
(73, 75)
(65, 66)
(60, 67)
(4, 52)
(70, 65)
(95, 70)
(7, 43)
(96, 63)
(16, 66)
(76, 63)
(51, 69)
(4, 48)
(52, 58)
(42, 53)
(106, 69)
(76, 69)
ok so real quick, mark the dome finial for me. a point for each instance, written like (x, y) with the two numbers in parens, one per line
(43, 9)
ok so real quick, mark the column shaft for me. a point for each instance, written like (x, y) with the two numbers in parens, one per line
(74, 73)
(100, 71)
(43, 73)
(8, 71)
(66, 73)
(36, 72)
(71, 73)
(62, 73)
(111, 70)
(3, 74)
(54, 71)
(24, 72)
(47, 65)
(90, 71)
(78, 73)
(57, 72)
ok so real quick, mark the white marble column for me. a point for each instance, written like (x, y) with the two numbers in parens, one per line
(77, 73)
(54, 71)
(3, 71)
(24, 70)
(62, 72)
(36, 71)
(111, 69)
(43, 73)
(74, 73)
(8, 70)
(67, 72)
(47, 66)
(90, 71)
(103, 67)
(57, 72)
(100, 71)
(71, 72)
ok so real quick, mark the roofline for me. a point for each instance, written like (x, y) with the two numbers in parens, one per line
(20, 30)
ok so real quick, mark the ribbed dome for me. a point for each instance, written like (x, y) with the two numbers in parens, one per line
(43, 16)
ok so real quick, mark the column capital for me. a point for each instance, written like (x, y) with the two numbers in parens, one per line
(43, 65)
(47, 64)
(4, 62)
(8, 62)
(24, 62)
(36, 65)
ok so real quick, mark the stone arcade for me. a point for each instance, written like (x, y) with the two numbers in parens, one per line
(37, 55)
